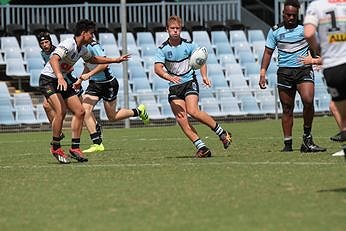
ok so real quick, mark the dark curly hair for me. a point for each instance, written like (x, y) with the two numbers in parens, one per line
(294, 3)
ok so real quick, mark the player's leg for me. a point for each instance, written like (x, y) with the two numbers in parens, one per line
(89, 102)
(179, 110)
(75, 106)
(50, 114)
(287, 97)
(57, 104)
(193, 110)
(306, 92)
(336, 114)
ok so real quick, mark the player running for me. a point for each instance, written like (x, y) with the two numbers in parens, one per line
(103, 85)
(172, 64)
(60, 95)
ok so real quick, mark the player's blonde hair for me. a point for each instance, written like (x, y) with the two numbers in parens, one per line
(173, 19)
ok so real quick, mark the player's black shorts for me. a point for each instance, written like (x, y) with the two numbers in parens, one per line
(107, 90)
(289, 77)
(49, 85)
(182, 90)
(336, 81)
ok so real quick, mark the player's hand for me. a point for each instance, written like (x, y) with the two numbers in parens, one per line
(174, 79)
(206, 82)
(62, 85)
(77, 85)
(262, 83)
(124, 58)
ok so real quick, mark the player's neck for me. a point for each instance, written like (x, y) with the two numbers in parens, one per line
(174, 41)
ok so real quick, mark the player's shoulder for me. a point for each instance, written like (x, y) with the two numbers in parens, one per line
(277, 26)
(165, 43)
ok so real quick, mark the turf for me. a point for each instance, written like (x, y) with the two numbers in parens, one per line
(147, 180)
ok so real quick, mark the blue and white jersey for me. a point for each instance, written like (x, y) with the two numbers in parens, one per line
(176, 59)
(291, 44)
(96, 50)
(69, 54)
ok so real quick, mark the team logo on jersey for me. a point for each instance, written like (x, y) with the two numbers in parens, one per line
(332, 38)
(169, 54)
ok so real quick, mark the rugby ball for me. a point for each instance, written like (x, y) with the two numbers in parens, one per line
(198, 58)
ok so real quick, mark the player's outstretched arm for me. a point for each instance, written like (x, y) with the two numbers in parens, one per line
(106, 60)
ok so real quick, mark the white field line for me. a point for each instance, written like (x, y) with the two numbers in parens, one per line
(225, 163)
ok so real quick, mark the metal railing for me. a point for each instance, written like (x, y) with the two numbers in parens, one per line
(108, 13)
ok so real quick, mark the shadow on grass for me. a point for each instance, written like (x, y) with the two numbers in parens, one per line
(342, 190)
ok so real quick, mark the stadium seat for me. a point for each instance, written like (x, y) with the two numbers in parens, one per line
(246, 57)
(107, 39)
(237, 36)
(6, 116)
(160, 37)
(4, 92)
(28, 41)
(255, 36)
(166, 110)
(226, 59)
(34, 63)
(55, 40)
(212, 108)
(145, 38)
(65, 36)
(202, 39)
(148, 50)
(141, 85)
(41, 115)
(153, 111)
(15, 68)
(231, 106)
(251, 68)
(268, 104)
(34, 77)
(212, 59)
(185, 35)
(159, 84)
(219, 37)
(9, 42)
(223, 49)
(250, 105)
(13, 53)
(32, 52)
(111, 50)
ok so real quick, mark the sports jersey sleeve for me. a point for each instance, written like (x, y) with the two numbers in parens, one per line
(160, 56)
(62, 49)
(311, 16)
(97, 50)
(271, 41)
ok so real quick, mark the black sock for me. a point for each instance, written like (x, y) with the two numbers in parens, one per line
(135, 112)
(307, 131)
(56, 143)
(95, 137)
(288, 142)
(75, 143)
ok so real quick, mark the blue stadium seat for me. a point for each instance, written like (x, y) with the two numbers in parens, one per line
(107, 39)
(255, 35)
(145, 38)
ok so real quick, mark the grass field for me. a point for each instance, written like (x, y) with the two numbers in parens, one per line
(147, 180)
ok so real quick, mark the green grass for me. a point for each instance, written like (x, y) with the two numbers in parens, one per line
(147, 180)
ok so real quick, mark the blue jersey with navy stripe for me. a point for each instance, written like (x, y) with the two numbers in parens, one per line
(176, 59)
(291, 44)
(96, 50)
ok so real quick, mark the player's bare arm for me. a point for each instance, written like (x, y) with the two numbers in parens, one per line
(54, 62)
(159, 70)
(267, 55)
(106, 60)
